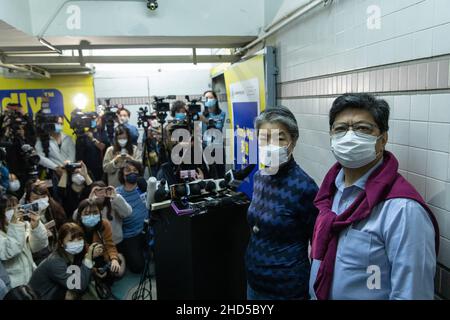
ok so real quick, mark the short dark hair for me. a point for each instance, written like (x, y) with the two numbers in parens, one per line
(378, 108)
(124, 109)
(177, 106)
(135, 164)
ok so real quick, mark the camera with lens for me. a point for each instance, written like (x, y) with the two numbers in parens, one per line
(31, 160)
(80, 121)
(27, 208)
(15, 121)
(45, 122)
(72, 166)
(211, 124)
(104, 268)
(144, 117)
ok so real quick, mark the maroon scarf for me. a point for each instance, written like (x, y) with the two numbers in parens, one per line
(383, 184)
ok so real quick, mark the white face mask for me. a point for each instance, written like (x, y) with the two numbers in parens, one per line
(124, 120)
(78, 179)
(122, 142)
(9, 214)
(354, 151)
(74, 247)
(14, 185)
(273, 156)
(43, 203)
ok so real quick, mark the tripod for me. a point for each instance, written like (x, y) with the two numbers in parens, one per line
(144, 289)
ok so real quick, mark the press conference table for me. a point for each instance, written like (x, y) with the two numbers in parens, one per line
(200, 256)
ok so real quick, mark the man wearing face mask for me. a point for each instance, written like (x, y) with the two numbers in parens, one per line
(375, 237)
(73, 187)
(90, 148)
(124, 119)
(281, 215)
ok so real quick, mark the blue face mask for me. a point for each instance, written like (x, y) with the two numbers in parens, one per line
(132, 178)
(58, 128)
(93, 124)
(91, 220)
(210, 103)
(180, 116)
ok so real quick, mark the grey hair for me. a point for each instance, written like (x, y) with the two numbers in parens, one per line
(280, 115)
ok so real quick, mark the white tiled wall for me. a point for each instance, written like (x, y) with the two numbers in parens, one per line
(336, 39)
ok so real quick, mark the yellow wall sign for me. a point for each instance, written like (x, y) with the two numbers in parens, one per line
(64, 93)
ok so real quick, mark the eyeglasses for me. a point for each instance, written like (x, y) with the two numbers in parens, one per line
(338, 130)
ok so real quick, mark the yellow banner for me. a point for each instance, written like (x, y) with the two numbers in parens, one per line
(64, 92)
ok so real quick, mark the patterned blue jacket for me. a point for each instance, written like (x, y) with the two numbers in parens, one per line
(281, 217)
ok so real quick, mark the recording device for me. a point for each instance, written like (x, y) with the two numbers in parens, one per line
(144, 117)
(45, 122)
(162, 193)
(27, 207)
(31, 160)
(160, 105)
(104, 268)
(109, 117)
(179, 191)
(123, 152)
(14, 120)
(80, 121)
(193, 107)
(72, 166)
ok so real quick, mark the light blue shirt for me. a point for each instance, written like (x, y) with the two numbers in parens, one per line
(390, 255)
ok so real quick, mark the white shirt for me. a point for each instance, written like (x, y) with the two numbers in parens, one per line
(57, 155)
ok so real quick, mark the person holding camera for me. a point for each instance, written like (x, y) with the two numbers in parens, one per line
(51, 212)
(61, 150)
(133, 243)
(17, 130)
(21, 234)
(90, 148)
(116, 155)
(113, 208)
(110, 265)
(213, 119)
(74, 186)
(51, 280)
(124, 119)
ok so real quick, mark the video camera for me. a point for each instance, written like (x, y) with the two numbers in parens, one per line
(45, 122)
(14, 120)
(31, 160)
(109, 118)
(144, 117)
(72, 166)
(80, 121)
